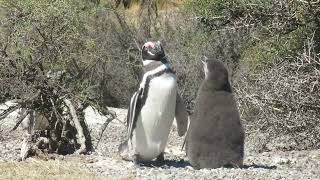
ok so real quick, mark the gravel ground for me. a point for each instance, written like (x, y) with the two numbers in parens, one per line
(105, 161)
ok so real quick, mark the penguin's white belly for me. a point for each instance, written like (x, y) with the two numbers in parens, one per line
(156, 117)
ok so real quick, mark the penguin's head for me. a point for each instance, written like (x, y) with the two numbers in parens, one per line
(212, 67)
(152, 51)
(204, 61)
(216, 74)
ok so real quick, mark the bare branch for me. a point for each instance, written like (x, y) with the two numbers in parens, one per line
(24, 114)
(8, 111)
(80, 136)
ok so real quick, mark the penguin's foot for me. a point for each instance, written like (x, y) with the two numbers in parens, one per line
(160, 159)
(136, 160)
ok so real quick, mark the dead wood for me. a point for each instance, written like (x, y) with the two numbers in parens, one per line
(8, 111)
(105, 125)
(23, 115)
(20, 103)
(25, 146)
(80, 135)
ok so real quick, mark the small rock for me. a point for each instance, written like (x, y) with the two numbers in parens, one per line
(281, 161)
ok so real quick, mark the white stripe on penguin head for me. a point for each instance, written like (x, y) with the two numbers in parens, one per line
(152, 72)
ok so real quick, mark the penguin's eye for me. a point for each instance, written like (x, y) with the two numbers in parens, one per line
(144, 47)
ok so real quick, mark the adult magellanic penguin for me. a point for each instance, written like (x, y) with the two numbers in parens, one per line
(153, 108)
(215, 136)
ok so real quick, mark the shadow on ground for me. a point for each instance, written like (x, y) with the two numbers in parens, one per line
(166, 164)
(182, 164)
(259, 166)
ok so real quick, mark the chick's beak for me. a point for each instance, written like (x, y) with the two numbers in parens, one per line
(204, 60)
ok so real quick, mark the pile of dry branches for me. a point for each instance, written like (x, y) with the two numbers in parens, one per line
(51, 73)
(52, 122)
(282, 103)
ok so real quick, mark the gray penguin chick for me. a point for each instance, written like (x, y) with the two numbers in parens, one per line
(215, 137)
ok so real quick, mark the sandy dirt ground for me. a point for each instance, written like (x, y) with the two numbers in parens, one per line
(105, 163)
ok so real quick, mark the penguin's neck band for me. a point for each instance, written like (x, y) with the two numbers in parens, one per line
(159, 70)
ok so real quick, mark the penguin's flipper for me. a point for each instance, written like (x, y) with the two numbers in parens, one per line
(181, 116)
(132, 111)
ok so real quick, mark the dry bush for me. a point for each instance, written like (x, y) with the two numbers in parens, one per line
(276, 86)
(278, 100)
(116, 49)
(280, 104)
(93, 45)
(186, 42)
(56, 59)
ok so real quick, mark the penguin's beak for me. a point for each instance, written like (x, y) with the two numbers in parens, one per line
(204, 60)
(150, 53)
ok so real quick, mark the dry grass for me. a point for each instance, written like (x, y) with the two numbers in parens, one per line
(38, 169)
